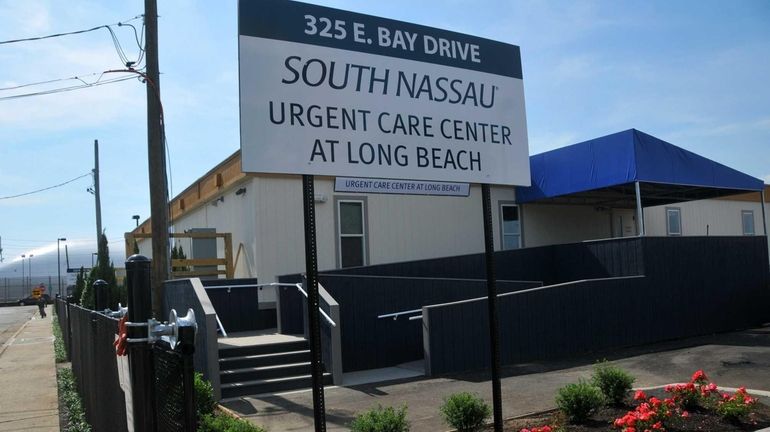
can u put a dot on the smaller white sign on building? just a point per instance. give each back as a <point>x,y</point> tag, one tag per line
<point>400,187</point>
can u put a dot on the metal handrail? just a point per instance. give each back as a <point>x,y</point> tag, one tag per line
<point>395,315</point>
<point>327,317</point>
<point>221,327</point>
<point>248,285</point>
<point>274,284</point>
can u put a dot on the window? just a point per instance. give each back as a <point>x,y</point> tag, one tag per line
<point>511,226</point>
<point>351,231</point>
<point>747,220</point>
<point>673,221</point>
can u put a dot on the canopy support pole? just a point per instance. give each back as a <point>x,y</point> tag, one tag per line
<point>764,218</point>
<point>639,212</point>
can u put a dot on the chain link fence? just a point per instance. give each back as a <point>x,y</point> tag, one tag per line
<point>89,338</point>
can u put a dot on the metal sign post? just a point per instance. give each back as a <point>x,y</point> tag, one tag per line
<point>311,271</point>
<point>494,329</point>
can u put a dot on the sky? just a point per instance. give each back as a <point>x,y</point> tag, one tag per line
<point>693,73</point>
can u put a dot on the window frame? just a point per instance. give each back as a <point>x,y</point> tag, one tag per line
<point>743,223</point>
<point>501,205</point>
<point>678,212</point>
<point>338,201</point>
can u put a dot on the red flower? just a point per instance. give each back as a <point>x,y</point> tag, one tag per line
<point>639,395</point>
<point>699,375</point>
<point>685,414</point>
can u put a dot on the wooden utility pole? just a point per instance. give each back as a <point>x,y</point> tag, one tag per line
<point>156,154</point>
<point>97,197</point>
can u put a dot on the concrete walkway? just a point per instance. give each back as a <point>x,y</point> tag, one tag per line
<point>730,360</point>
<point>28,390</point>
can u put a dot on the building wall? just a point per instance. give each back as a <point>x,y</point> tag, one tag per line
<point>268,221</point>
<point>723,218</point>
<point>547,224</point>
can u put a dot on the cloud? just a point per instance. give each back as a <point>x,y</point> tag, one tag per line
<point>766,178</point>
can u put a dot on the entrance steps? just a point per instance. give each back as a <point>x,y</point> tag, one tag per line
<point>264,365</point>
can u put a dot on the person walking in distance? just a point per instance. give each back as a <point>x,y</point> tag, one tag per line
<point>41,306</point>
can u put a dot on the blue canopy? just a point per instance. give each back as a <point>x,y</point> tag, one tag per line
<point>621,159</point>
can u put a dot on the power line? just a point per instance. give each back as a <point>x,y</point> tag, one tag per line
<point>107,26</point>
<point>45,189</point>
<point>66,89</point>
<point>115,41</point>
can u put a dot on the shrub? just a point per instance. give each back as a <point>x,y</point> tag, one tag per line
<point>732,408</point>
<point>579,401</point>
<point>465,412</point>
<point>225,423</point>
<point>699,391</point>
<point>204,396</point>
<point>381,420</point>
<point>651,414</point>
<point>614,382</point>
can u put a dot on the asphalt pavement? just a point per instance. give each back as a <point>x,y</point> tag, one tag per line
<point>730,360</point>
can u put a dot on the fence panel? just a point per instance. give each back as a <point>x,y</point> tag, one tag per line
<point>237,305</point>
<point>95,367</point>
<point>369,342</point>
<point>172,389</point>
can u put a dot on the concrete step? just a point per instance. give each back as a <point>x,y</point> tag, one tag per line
<point>260,360</point>
<point>264,372</point>
<point>263,349</point>
<point>270,386</point>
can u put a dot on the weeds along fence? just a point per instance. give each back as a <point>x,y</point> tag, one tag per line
<point>89,337</point>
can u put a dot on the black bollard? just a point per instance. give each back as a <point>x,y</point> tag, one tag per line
<point>140,353</point>
<point>101,295</point>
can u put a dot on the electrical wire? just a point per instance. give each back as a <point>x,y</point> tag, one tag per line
<point>115,40</point>
<point>66,33</point>
<point>66,89</point>
<point>45,189</point>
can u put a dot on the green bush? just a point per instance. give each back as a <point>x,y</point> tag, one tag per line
<point>381,420</point>
<point>225,423</point>
<point>465,412</point>
<point>614,382</point>
<point>204,396</point>
<point>579,401</point>
<point>71,401</point>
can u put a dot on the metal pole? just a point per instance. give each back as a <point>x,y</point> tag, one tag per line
<point>311,271</point>
<point>494,331</point>
<point>58,263</point>
<point>97,197</point>
<point>23,275</point>
<point>764,218</point>
<point>30,270</point>
<point>639,211</point>
<point>140,354</point>
<point>101,294</point>
<point>156,154</point>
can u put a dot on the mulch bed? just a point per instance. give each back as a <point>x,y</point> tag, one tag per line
<point>700,420</point>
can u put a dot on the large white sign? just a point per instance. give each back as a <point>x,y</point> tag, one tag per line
<point>400,187</point>
<point>330,92</point>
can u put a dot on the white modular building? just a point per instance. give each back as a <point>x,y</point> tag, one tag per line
<point>592,190</point>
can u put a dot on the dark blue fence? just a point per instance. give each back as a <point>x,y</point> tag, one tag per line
<point>369,342</point>
<point>692,286</point>
<point>237,304</point>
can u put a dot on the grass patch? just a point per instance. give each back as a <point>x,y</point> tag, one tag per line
<point>59,350</point>
<point>73,405</point>
<point>218,422</point>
